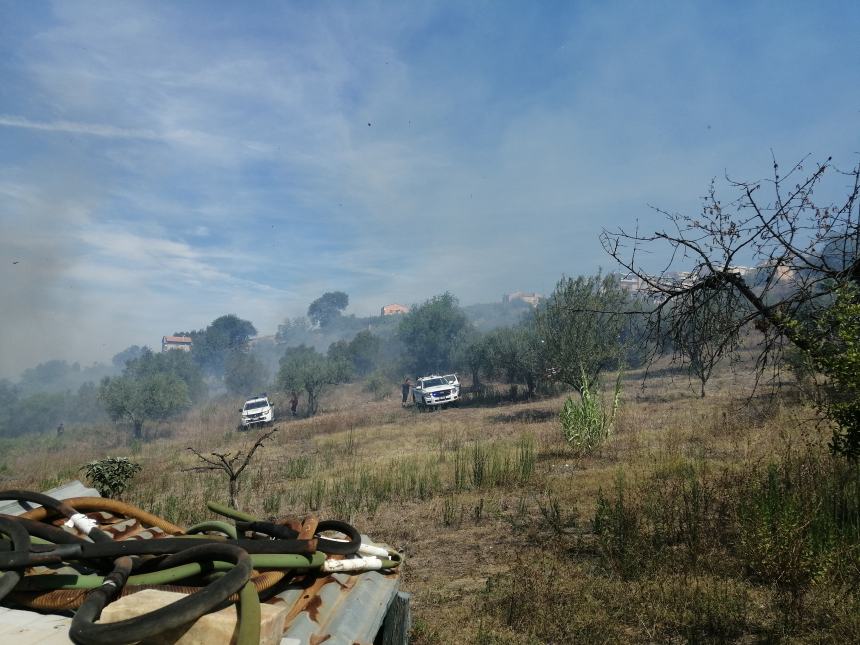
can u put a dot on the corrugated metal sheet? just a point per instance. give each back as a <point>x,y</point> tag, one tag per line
<point>66,491</point>
<point>339,609</point>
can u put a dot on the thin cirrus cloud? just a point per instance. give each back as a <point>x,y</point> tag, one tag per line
<point>80,128</point>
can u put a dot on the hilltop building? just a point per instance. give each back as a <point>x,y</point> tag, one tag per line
<point>782,271</point>
<point>532,299</point>
<point>631,283</point>
<point>182,343</point>
<point>390,310</point>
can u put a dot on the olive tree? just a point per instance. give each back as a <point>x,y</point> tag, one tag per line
<point>518,354</point>
<point>305,369</point>
<point>139,399</point>
<point>472,354</point>
<point>580,326</point>
<point>244,373</point>
<point>430,333</point>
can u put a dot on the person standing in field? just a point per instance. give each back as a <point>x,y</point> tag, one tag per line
<point>294,403</point>
<point>404,389</point>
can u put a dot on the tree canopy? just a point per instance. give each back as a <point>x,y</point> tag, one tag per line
<point>472,353</point>
<point>305,369</point>
<point>581,326</point>
<point>362,353</point>
<point>152,387</point>
<point>327,308</point>
<point>177,363</point>
<point>244,373</point>
<point>212,345</point>
<point>136,399</point>
<point>518,354</point>
<point>128,354</point>
<point>430,333</point>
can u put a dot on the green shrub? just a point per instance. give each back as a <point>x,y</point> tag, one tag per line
<point>110,476</point>
<point>587,423</point>
<point>800,521</point>
<point>378,386</point>
<point>618,526</point>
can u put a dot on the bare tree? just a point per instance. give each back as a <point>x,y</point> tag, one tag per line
<point>230,464</point>
<point>803,249</point>
<point>710,334</point>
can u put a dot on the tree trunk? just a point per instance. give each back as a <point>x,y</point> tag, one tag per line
<point>234,491</point>
<point>530,384</point>
<point>476,384</point>
<point>137,429</point>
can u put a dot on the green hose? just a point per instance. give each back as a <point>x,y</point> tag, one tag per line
<point>168,576</point>
<point>214,525</point>
<point>250,616</point>
<point>226,511</point>
<point>38,540</point>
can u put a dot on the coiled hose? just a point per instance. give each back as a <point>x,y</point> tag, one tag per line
<point>20,544</point>
<point>225,564</point>
<point>91,504</point>
<point>75,518</point>
<point>85,630</point>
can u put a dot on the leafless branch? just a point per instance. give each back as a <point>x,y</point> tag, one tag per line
<point>803,251</point>
<point>226,462</point>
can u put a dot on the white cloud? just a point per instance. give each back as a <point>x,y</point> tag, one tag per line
<point>224,162</point>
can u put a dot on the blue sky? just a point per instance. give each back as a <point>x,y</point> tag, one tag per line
<point>165,163</point>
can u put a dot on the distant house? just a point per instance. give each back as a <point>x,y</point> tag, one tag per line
<point>781,270</point>
<point>390,310</point>
<point>182,343</point>
<point>532,299</point>
<point>632,283</point>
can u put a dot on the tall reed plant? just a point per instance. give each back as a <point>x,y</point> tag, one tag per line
<point>588,422</point>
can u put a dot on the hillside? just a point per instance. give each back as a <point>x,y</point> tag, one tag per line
<point>510,537</point>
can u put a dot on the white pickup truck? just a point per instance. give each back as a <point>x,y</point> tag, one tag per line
<point>257,411</point>
<point>432,391</point>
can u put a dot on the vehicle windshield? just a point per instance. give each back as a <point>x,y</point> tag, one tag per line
<point>253,405</point>
<point>433,382</point>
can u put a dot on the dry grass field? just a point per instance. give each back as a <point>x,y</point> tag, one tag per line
<point>717,519</point>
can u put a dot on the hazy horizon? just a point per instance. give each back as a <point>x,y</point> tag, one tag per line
<point>163,164</point>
